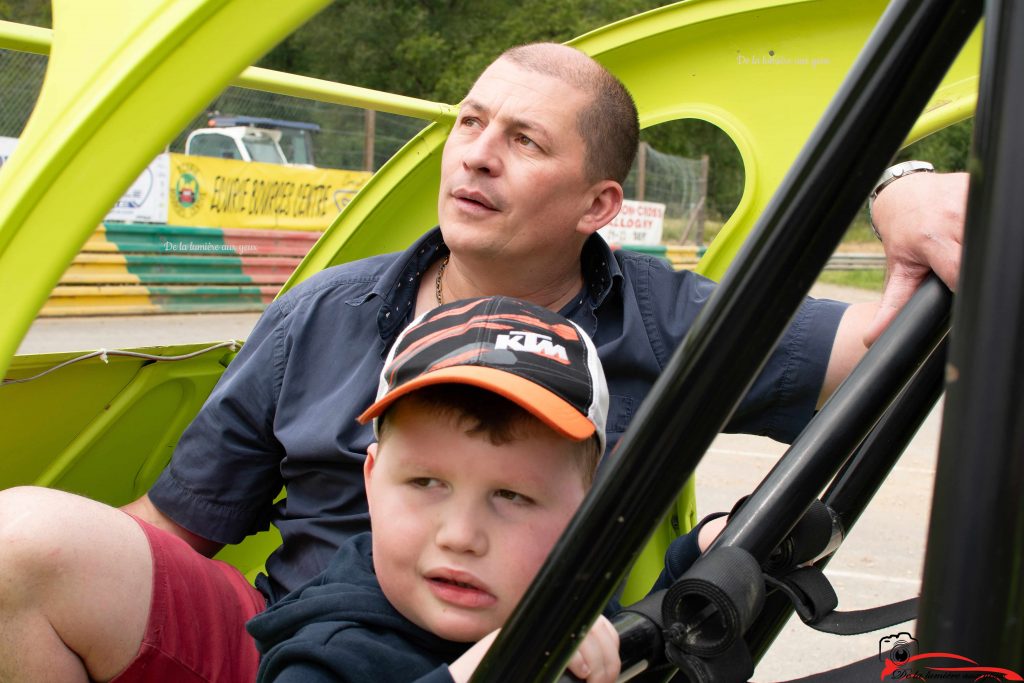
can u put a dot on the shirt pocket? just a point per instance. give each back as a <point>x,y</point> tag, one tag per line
<point>620,412</point>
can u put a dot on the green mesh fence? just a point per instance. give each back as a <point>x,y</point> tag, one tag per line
<point>341,142</point>
<point>677,182</point>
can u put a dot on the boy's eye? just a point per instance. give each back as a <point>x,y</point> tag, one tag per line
<point>424,482</point>
<point>512,496</point>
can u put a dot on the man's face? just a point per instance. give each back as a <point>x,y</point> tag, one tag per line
<point>461,526</point>
<point>512,178</point>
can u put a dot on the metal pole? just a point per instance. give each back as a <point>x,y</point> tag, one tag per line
<point>370,135</point>
<point>641,171</point>
<point>827,443</point>
<point>901,66</point>
<point>973,594</point>
<point>702,192</point>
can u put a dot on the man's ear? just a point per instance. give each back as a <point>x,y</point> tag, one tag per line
<point>606,200</point>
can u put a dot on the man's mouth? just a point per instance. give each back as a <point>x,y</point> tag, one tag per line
<point>474,199</point>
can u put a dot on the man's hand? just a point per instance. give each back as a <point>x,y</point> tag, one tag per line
<point>596,660</point>
<point>921,220</point>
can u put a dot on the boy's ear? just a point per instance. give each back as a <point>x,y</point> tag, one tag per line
<point>371,458</point>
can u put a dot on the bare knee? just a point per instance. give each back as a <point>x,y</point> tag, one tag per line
<point>42,532</point>
<point>79,567</point>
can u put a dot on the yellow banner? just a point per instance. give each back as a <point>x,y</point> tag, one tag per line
<point>224,193</point>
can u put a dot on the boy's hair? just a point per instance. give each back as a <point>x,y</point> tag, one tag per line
<point>488,415</point>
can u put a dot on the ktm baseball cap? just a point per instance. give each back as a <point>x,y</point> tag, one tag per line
<point>525,353</point>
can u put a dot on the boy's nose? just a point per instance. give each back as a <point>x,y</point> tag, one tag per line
<point>460,530</point>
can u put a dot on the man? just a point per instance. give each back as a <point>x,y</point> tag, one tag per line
<point>531,171</point>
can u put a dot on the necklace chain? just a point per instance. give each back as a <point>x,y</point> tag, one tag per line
<point>437,280</point>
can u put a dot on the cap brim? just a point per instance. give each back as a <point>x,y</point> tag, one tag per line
<point>542,403</point>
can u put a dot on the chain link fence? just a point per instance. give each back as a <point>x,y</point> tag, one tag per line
<point>677,182</point>
<point>341,143</point>
<point>21,77</point>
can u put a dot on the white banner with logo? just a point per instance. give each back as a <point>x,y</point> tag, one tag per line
<point>146,199</point>
<point>6,147</point>
<point>144,202</point>
<point>636,223</point>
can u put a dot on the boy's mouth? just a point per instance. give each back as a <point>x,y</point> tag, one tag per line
<point>459,589</point>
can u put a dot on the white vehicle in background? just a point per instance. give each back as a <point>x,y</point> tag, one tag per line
<point>253,138</point>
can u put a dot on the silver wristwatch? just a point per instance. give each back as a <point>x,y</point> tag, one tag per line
<point>890,175</point>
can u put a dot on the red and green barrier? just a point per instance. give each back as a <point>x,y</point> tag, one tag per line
<point>138,268</point>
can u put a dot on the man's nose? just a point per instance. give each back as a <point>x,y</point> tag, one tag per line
<point>484,152</point>
<point>461,529</point>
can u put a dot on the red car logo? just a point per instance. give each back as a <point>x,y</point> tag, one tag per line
<point>912,669</point>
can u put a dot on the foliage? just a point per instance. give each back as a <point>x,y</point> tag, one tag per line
<point>34,12</point>
<point>947,150</point>
<point>871,279</point>
<point>434,49</point>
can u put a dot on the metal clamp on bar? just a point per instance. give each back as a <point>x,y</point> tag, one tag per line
<point>818,534</point>
<point>714,603</point>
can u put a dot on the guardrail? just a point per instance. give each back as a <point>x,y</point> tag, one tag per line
<point>139,268</point>
<point>687,256</point>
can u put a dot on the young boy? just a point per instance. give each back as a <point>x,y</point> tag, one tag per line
<point>490,420</point>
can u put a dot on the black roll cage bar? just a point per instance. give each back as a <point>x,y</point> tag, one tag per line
<point>972,597</point>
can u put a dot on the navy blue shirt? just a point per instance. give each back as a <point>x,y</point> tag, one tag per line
<point>284,411</point>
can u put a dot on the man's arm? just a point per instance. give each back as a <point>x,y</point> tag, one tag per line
<point>921,220</point>
<point>144,509</point>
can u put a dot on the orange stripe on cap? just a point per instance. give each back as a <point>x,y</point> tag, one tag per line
<point>545,405</point>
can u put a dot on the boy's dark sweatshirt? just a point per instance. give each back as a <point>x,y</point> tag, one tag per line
<point>340,627</point>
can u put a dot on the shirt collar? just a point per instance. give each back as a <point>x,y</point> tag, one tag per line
<point>399,284</point>
<point>600,270</point>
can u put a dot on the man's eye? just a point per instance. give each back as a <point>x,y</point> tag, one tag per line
<point>525,141</point>
<point>470,121</point>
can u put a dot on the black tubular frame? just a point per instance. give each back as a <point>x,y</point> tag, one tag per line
<point>862,475</point>
<point>897,72</point>
<point>973,594</point>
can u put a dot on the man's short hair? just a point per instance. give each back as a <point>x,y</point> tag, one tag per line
<point>609,125</point>
<point>487,415</point>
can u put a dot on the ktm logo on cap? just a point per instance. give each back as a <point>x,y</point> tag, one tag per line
<point>531,342</point>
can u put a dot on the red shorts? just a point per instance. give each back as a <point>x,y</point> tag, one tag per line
<point>196,629</point>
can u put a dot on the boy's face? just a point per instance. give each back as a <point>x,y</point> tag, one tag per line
<point>461,526</point>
